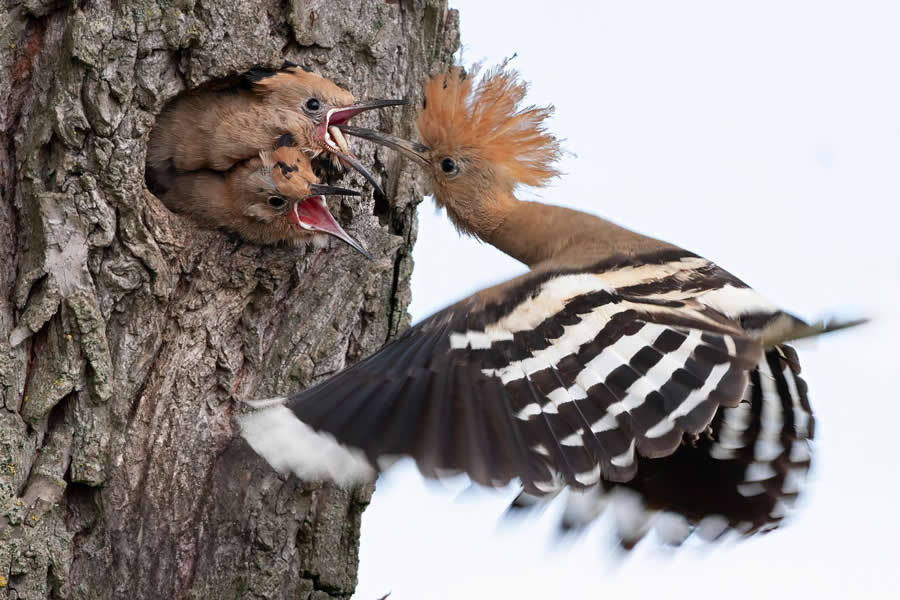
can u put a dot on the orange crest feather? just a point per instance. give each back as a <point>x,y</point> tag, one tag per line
<point>486,119</point>
<point>293,172</point>
<point>290,171</point>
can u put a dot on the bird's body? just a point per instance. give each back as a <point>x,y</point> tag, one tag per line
<point>216,128</point>
<point>272,198</point>
<point>618,362</point>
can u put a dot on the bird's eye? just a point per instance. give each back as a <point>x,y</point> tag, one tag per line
<point>449,166</point>
<point>313,104</point>
<point>277,202</point>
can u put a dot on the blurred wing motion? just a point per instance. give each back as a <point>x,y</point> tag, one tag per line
<point>642,372</point>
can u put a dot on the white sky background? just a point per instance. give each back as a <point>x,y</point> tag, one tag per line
<point>765,137</point>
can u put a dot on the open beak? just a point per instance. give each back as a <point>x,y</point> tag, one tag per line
<point>412,150</point>
<point>312,214</point>
<point>337,144</point>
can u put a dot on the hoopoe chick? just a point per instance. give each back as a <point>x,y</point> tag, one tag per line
<point>619,364</point>
<point>214,129</point>
<point>269,199</point>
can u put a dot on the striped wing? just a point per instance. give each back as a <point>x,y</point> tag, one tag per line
<point>745,475</point>
<point>555,378</point>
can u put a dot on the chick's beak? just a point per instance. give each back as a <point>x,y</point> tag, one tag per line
<point>312,214</point>
<point>354,162</point>
<point>336,143</point>
<point>317,189</point>
<point>412,150</point>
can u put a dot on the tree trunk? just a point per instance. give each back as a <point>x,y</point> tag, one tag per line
<point>129,337</point>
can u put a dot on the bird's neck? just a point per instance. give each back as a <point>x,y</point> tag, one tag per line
<point>533,233</point>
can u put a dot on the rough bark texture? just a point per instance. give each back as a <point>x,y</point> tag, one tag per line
<point>128,337</point>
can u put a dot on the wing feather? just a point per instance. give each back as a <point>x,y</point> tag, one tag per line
<point>637,372</point>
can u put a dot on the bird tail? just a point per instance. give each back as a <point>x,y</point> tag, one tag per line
<point>289,445</point>
<point>744,473</point>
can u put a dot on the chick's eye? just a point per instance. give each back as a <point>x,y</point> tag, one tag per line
<point>448,166</point>
<point>313,104</point>
<point>277,202</point>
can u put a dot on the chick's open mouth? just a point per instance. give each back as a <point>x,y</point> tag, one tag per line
<point>333,139</point>
<point>333,136</point>
<point>312,215</point>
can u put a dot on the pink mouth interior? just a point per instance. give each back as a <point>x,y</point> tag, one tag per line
<point>340,117</point>
<point>313,213</point>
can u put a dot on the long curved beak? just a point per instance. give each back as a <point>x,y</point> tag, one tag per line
<point>339,116</point>
<point>312,214</point>
<point>337,145</point>
<point>317,189</point>
<point>351,160</point>
<point>417,152</point>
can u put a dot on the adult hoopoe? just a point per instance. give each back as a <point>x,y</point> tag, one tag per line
<point>618,363</point>
<point>216,128</point>
<point>272,198</point>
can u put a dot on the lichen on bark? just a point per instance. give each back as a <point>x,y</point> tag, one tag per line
<point>128,337</point>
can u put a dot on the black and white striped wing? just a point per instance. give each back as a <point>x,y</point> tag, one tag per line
<point>745,475</point>
<point>555,378</point>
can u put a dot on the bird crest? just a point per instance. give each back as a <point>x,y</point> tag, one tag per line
<point>289,171</point>
<point>486,119</point>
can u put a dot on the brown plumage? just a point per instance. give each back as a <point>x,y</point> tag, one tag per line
<point>274,197</point>
<point>216,128</point>
<point>618,362</point>
<point>484,123</point>
<point>481,129</point>
<point>479,145</point>
<point>293,87</point>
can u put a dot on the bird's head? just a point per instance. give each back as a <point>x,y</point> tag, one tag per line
<point>478,142</point>
<point>325,104</point>
<point>276,198</point>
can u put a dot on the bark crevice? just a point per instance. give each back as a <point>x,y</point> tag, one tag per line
<point>129,337</point>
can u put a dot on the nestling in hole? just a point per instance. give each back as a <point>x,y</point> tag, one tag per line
<point>208,155</point>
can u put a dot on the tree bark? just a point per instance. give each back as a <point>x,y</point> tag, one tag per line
<point>129,337</point>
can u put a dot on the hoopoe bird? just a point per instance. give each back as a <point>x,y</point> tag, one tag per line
<point>619,365</point>
<point>272,198</point>
<point>216,128</point>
